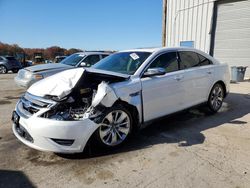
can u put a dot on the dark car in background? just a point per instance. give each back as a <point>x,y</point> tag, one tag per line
<point>8,63</point>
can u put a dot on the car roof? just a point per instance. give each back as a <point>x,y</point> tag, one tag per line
<point>93,52</point>
<point>159,49</point>
<point>141,50</point>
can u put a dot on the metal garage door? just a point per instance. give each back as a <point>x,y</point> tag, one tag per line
<point>232,35</point>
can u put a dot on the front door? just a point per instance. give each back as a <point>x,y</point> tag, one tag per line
<point>163,94</point>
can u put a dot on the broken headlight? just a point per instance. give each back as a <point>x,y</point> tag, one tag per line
<point>69,114</point>
<point>68,111</point>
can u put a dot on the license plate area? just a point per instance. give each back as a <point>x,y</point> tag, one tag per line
<point>21,131</point>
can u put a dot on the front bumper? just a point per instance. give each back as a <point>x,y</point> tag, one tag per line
<point>44,131</point>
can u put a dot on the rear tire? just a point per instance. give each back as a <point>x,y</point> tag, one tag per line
<point>216,98</point>
<point>3,69</point>
<point>115,127</point>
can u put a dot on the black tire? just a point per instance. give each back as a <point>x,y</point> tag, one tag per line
<point>15,70</point>
<point>97,135</point>
<point>3,69</point>
<point>216,98</point>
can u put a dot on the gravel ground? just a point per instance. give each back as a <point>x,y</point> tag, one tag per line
<point>190,149</point>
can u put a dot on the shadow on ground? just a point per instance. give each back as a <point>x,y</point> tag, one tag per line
<point>184,128</point>
<point>15,179</point>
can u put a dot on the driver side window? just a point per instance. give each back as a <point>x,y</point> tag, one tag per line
<point>91,60</point>
<point>168,61</point>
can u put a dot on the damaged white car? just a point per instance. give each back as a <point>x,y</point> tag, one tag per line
<point>120,93</point>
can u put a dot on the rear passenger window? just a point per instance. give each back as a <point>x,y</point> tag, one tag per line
<point>192,59</point>
<point>168,61</point>
<point>188,60</point>
<point>204,61</point>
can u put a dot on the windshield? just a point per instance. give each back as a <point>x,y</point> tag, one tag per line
<point>73,59</point>
<point>123,62</point>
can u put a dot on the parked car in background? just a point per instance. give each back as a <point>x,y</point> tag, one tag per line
<point>48,61</point>
<point>27,63</point>
<point>58,59</point>
<point>117,95</point>
<point>38,60</point>
<point>8,63</point>
<point>32,74</point>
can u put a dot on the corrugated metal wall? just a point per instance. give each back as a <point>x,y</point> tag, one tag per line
<point>190,20</point>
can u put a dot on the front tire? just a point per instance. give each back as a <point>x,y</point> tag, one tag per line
<point>115,127</point>
<point>216,98</point>
<point>3,69</point>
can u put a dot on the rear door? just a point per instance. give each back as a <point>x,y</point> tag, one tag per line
<point>163,94</point>
<point>197,77</point>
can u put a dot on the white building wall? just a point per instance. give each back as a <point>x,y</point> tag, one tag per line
<point>189,20</point>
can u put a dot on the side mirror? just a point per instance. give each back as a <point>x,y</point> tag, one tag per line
<point>154,72</point>
<point>83,64</point>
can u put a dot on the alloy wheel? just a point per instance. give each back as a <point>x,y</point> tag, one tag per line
<point>115,128</point>
<point>216,98</point>
<point>3,69</point>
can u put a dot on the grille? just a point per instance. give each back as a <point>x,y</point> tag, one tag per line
<point>31,104</point>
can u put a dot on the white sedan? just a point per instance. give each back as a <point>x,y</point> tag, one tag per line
<point>119,94</point>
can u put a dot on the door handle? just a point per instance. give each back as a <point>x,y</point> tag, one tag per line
<point>209,72</point>
<point>178,78</point>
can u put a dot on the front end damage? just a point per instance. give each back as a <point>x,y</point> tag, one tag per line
<point>91,104</point>
<point>86,98</point>
<point>61,112</point>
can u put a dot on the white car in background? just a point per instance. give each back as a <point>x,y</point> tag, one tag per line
<point>120,93</point>
<point>29,75</point>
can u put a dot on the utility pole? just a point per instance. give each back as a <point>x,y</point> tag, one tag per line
<point>164,20</point>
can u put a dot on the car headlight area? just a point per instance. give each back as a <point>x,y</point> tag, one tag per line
<point>24,74</point>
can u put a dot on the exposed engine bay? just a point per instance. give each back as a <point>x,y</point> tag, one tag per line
<point>89,97</point>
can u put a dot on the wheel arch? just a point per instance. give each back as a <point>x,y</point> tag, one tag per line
<point>133,110</point>
<point>2,64</point>
<point>134,114</point>
<point>223,86</point>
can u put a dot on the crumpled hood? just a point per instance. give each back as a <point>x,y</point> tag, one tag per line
<point>44,67</point>
<point>59,84</point>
